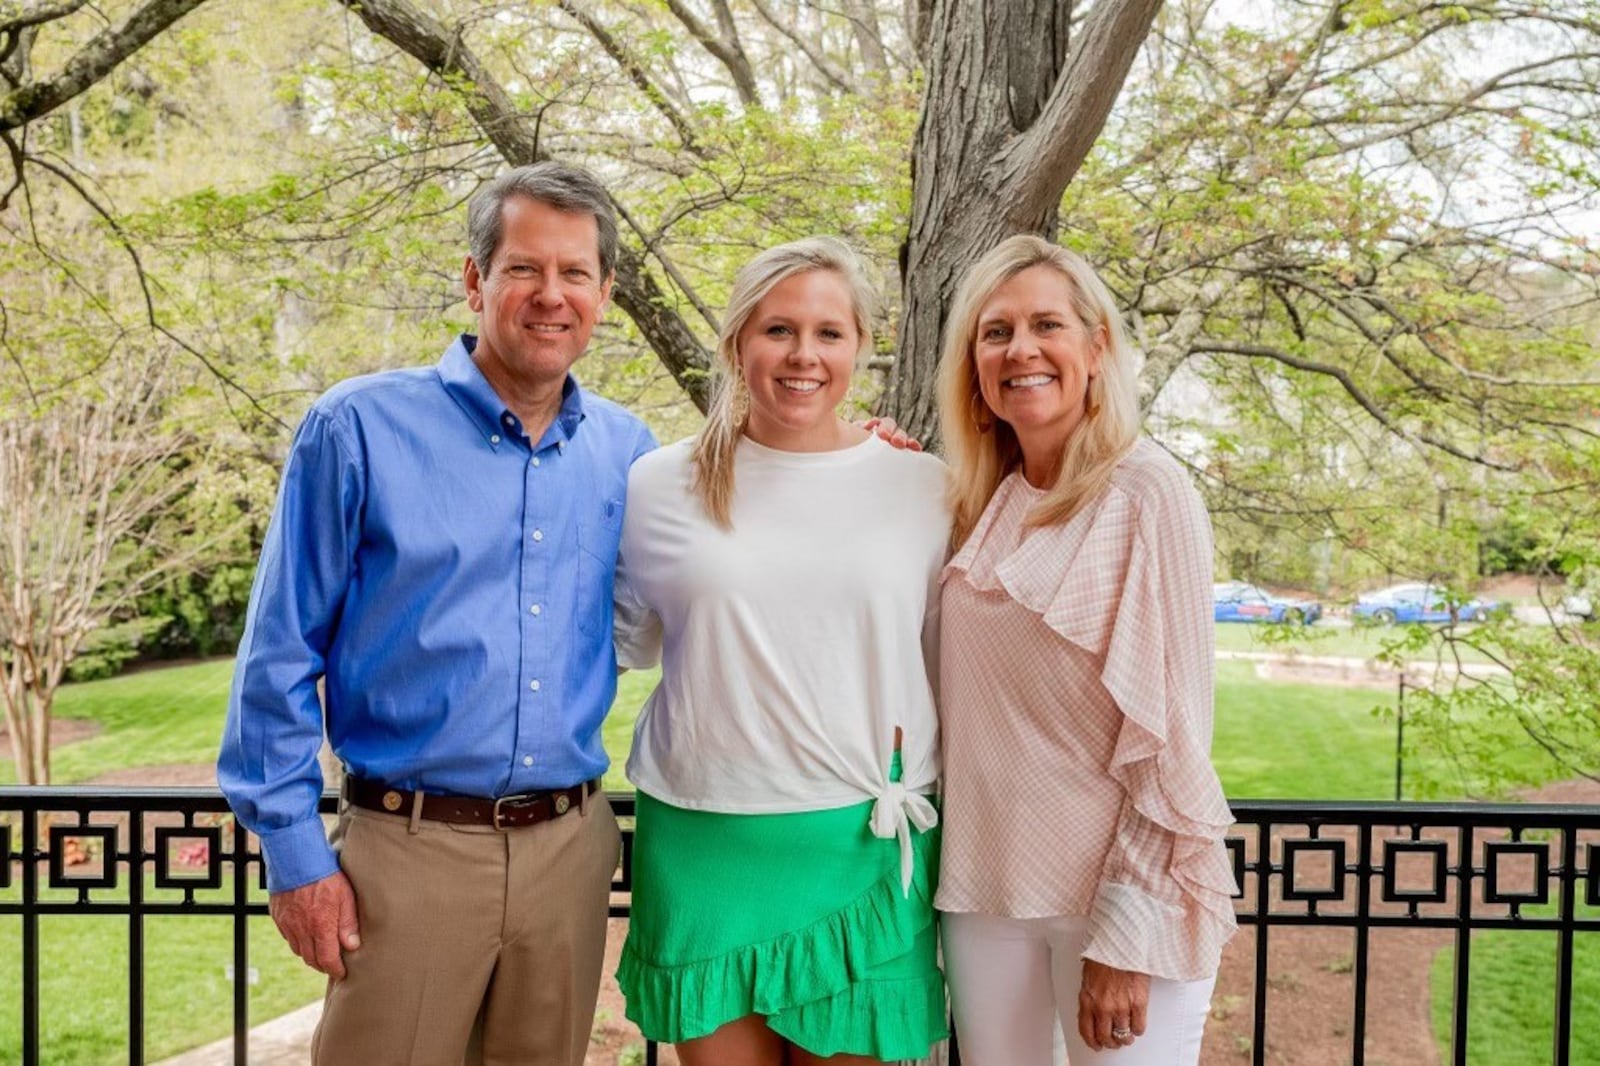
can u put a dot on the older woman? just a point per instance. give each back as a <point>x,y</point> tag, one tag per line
<point>1084,876</point>
<point>788,562</point>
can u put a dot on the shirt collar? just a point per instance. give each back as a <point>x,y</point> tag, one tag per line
<point>472,392</point>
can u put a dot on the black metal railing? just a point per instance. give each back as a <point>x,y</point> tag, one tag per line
<point>1459,868</point>
<point>1368,867</point>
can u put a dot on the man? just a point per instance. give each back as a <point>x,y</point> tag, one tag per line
<point>441,559</point>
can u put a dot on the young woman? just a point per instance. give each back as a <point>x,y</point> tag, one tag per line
<point>784,565</point>
<point>1084,874</point>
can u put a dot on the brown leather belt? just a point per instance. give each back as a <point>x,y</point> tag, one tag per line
<point>507,812</point>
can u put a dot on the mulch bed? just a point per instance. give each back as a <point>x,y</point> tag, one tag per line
<point>1311,981</point>
<point>63,731</point>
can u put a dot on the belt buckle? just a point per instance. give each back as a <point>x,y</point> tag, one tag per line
<point>514,802</point>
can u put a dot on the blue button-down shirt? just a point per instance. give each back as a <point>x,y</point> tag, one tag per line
<point>449,581</point>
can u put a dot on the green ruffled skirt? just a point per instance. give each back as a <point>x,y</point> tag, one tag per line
<point>796,917</point>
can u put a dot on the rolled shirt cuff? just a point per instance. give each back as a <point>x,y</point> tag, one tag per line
<point>297,855</point>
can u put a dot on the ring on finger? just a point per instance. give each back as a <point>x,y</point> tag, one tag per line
<point>1121,1032</point>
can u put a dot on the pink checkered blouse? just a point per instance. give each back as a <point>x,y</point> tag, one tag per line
<point>1076,691</point>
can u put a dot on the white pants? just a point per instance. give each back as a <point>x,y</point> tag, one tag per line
<point>1012,978</point>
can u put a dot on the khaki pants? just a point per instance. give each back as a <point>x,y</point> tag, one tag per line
<point>471,933</point>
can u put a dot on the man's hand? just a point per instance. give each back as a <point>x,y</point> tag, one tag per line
<point>317,920</point>
<point>889,431</point>
<point>1111,1005</point>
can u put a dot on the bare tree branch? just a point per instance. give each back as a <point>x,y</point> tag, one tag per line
<point>1457,106</point>
<point>444,53</point>
<point>826,67</point>
<point>64,175</point>
<point>725,47</point>
<point>77,483</point>
<point>93,62</point>
<point>863,16</point>
<point>652,245</point>
<point>20,18</point>
<point>1041,163</point>
<point>653,91</point>
<point>1354,391</point>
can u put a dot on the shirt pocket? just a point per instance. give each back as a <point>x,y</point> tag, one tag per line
<point>598,537</point>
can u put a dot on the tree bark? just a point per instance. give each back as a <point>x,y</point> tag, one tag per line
<point>103,54</point>
<point>724,47</point>
<point>1009,115</point>
<point>442,51</point>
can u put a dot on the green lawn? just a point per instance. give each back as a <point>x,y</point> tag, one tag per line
<point>83,982</point>
<point>174,715</point>
<point>1511,1012</point>
<point>147,718</point>
<point>633,688</point>
<point>1273,740</point>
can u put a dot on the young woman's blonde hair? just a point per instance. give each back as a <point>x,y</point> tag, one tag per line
<point>981,449</point>
<point>713,450</point>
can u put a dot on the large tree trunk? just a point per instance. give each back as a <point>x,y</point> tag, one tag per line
<point>1009,115</point>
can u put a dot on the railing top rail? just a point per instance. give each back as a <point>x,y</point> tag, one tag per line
<point>1287,810</point>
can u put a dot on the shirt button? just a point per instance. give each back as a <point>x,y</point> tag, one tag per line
<point>538,534</point>
<point>535,609</point>
<point>527,760</point>
<point>506,419</point>
<point>561,445</point>
<point>494,438</point>
<point>534,684</point>
<point>534,461</point>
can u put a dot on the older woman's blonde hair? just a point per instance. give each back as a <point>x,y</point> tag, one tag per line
<point>713,451</point>
<point>980,449</point>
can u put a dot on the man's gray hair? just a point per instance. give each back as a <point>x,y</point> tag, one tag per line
<point>562,186</point>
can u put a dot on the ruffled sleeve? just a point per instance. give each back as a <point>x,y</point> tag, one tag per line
<point>1129,581</point>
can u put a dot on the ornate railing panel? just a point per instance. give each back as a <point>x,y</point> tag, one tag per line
<point>1362,866</point>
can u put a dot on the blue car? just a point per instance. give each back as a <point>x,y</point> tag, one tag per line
<point>1417,602</point>
<point>1236,601</point>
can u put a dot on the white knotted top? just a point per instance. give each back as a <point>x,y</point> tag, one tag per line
<point>793,645</point>
<point>893,815</point>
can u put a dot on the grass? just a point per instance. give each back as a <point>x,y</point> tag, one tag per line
<point>1273,740</point>
<point>633,688</point>
<point>1511,998</point>
<point>1352,642</point>
<point>146,718</point>
<point>174,715</point>
<point>83,982</point>
<point>1280,740</point>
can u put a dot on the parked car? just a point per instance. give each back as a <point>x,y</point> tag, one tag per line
<point>1418,602</point>
<point>1236,601</point>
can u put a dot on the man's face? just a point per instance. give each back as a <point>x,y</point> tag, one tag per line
<point>539,299</point>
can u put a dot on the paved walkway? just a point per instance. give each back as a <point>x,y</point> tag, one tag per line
<point>284,1041</point>
<point>1352,668</point>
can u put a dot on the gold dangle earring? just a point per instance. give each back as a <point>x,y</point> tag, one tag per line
<point>740,407</point>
